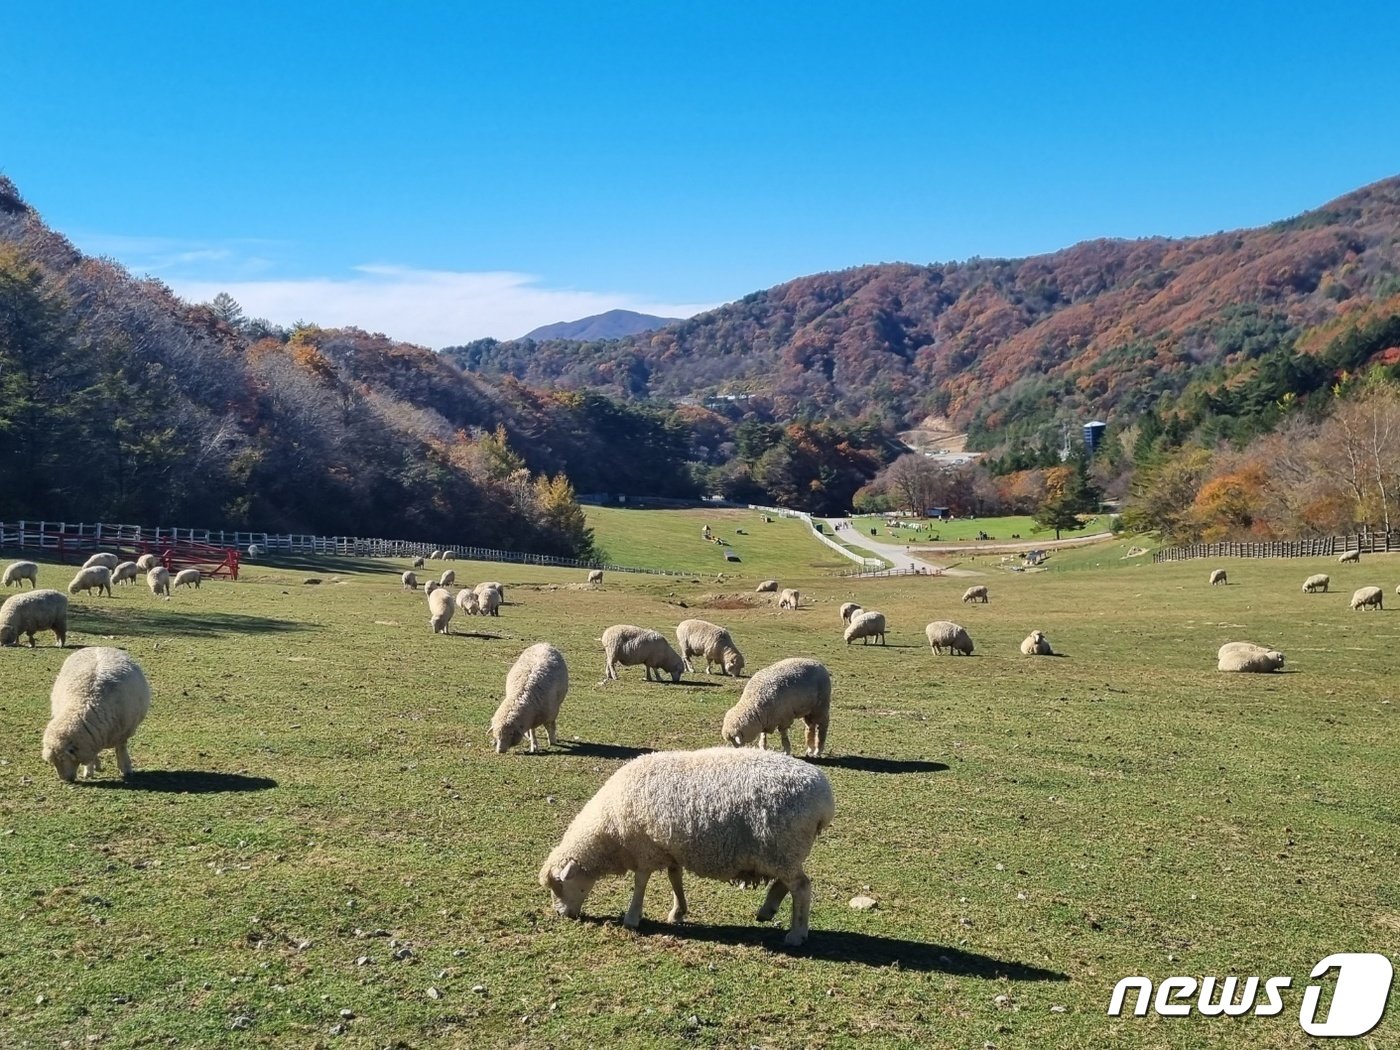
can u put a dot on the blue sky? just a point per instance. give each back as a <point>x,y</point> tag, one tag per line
<point>446,171</point>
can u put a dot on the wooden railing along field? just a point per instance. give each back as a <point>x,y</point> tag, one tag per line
<point>1317,547</point>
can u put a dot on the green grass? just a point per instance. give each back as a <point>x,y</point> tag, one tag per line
<point>315,769</point>
<point>1000,529</point>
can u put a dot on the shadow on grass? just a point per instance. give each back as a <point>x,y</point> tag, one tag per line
<point>590,750</point>
<point>867,764</point>
<point>185,782</point>
<point>178,619</point>
<point>891,645</point>
<point>477,634</point>
<point>321,563</point>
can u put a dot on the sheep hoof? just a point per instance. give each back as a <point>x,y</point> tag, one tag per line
<point>795,938</point>
<point>631,922</point>
<point>764,914</point>
<point>676,917</point>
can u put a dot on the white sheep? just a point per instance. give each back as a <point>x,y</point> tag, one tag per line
<point>945,634</point>
<point>777,696</point>
<point>975,594</point>
<point>866,625</point>
<point>94,577</point>
<point>789,599</point>
<point>187,578</point>
<point>449,555</point>
<point>629,645</point>
<point>430,586</point>
<point>496,585</point>
<point>126,572</point>
<point>1218,576</point>
<point>31,612</point>
<point>1248,657</point>
<point>158,580</point>
<point>435,556</point>
<point>147,562</point>
<point>448,578</point>
<point>256,550</point>
<point>410,580</point>
<point>767,587</point>
<point>1036,644</point>
<point>440,610</point>
<point>535,687</point>
<point>745,817</point>
<point>488,601</point>
<point>17,572</point>
<point>713,642</point>
<point>418,562</point>
<point>595,576</point>
<point>466,601</point>
<point>98,700</point>
<point>1350,556</point>
<point>1319,582</point>
<point>1367,597</point>
<point>107,561</point>
<point>848,610</point>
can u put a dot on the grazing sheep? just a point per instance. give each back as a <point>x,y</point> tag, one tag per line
<point>449,555</point>
<point>945,634</point>
<point>745,817</point>
<point>848,610</point>
<point>713,642</point>
<point>107,561</point>
<point>98,700</point>
<point>535,687</point>
<point>94,577</point>
<point>1350,556</point>
<point>1248,657</point>
<point>418,562</point>
<point>430,586</point>
<point>31,612</point>
<point>126,572</point>
<point>448,578</point>
<point>1319,582</point>
<point>158,580</point>
<point>488,601</point>
<point>976,594</point>
<point>440,610</point>
<point>255,550</point>
<point>17,572</point>
<point>147,562</point>
<point>435,556</point>
<point>629,645</point>
<point>595,576</point>
<point>767,587</point>
<point>410,580</point>
<point>1036,644</point>
<point>777,696</point>
<point>1367,596</point>
<point>865,626</point>
<point>1218,576</point>
<point>466,601</point>
<point>789,599</point>
<point>500,588</point>
<point>187,578</point>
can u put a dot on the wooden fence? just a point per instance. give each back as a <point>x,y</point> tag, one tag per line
<point>1319,547</point>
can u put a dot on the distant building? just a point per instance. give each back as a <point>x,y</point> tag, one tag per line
<point>1093,435</point>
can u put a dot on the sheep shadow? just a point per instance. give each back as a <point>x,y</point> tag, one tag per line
<point>869,764</point>
<point>185,782</point>
<point>477,634</point>
<point>180,620</point>
<point>890,645</point>
<point>587,749</point>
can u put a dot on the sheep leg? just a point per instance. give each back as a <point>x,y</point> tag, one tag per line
<point>787,744</point>
<point>773,900</point>
<point>678,906</point>
<point>801,911</point>
<point>633,918</point>
<point>549,732</point>
<point>530,736</point>
<point>763,741</point>
<point>124,760</point>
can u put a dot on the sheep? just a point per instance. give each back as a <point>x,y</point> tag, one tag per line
<point>499,587</point>
<point>713,642</point>
<point>430,586</point>
<point>1218,576</point>
<point>98,700</point>
<point>440,609</point>
<point>848,610</point>
<point>745,817</point>
<point>94,577</point>
<point>410,580</point>
<point>595,576</point>
<point>1319,582</point>
<point>945,634</point>
<point>789,599</point>
<point>418,562</point>
<point>31,612</point>
<point>1367,596</point>
<point>1036,644</point>
<point>466,601</point>
<point>488,601</point>
<point>777,696</point>
<point>449,555</point>
<point>435,556</point>
<point>1350,556</point>
<point>976,594</point>
<point>1248,657</point>
<point>448,578</point>
<point>147,562</point>
<point>535,687</point>
<point>107,561</point>
<point>629,645</point>
<point>187,578</point>
<point>126,572</point>
<point>256,550</point>
<point>866,625</point>
<point>17,572</point>
<point>767,587</point>
<point>158,580</point>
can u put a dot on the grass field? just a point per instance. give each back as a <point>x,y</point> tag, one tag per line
<point>1001,530</point>
<point>317,823</point>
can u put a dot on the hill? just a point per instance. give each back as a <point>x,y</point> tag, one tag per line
<point>614,324</point>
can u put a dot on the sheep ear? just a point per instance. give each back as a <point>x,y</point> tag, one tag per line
<point>568,871</point>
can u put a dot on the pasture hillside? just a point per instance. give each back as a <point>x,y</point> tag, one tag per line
<point>319,847</point>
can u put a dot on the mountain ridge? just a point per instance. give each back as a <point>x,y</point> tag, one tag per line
<point>611,324</point>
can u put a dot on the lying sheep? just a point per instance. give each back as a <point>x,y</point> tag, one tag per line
<point>107,561</point>
<point>418,562</point>
<point>126,572</point>
<point>865,626</point>
<point>713,642</point>
<point>1350,556</point>
<point>848,610</point>
<point>1366,597</point>
<point>789,599</point>
<point>158,580</point>
<point>410,580</point>
<point>976,594</point>
<point>147,562</point>
<point>31,612</point>
<point>488,601</point>
<point>777,696</point>
<point>466,601</point>
<point>740,816</point>
<point>1248,657</point>
<point>767,587</point>
<point>1319,582</point>
<point>94,577</point>
<point>98,700</point>
<point>1218,576</point>
<point>629,645</point>
<point>595,576</point>
<point>440,610</point>
<point>1036,644</point>
<point>17,572</point>
<point>448,578</point>
<point>945,634</point>
<point>535,687</point>
<point>187,578</point>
